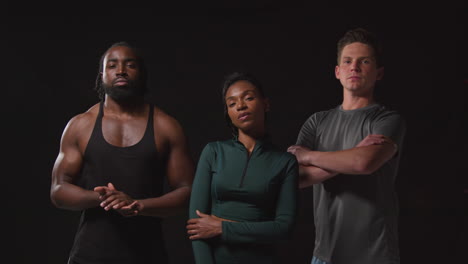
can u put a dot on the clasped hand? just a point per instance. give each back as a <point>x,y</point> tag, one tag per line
<point>116,200</point>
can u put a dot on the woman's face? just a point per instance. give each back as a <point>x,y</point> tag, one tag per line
<point>246,107</point>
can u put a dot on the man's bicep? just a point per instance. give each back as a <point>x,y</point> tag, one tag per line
<point>306,135</point>
<point>180,167</point>
<point>377,155</point>
<point>69,160</point>
<point>392,126</point>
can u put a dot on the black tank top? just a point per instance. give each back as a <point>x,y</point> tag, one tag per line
<point>137,170</point>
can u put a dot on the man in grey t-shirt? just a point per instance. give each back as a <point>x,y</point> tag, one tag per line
<point>350,155</point>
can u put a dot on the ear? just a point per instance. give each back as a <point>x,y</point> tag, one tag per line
<point>337,72</point>
<point>266,101</point>
<point>380,73</point>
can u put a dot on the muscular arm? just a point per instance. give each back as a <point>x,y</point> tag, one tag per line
<point>309,175</point>
<point>369,155</point>
<point>365,158</point>
<point>63,193</point>
<point>359,160</point>
<point>180,170</point>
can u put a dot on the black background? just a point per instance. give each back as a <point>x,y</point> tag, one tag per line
<point>52,53</point>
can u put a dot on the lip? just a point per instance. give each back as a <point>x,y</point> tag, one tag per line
<point>243,116</point>
<point>354,77</point>
<point>121,81</point>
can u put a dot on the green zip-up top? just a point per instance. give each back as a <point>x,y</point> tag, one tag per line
<point>259,192</point>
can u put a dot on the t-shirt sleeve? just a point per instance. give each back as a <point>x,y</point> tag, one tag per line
<point>391,125</point>
<point>307,133</point>
<point>280,228</point>
<point>200,199</point>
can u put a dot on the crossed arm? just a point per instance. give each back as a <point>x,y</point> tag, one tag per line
<point>365,158</point>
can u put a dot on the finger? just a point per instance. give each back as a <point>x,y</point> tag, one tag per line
<point>192,221</point>
<point>193,237</point>
<point>200,214</point>
<point>378,136</point>
<point>100,189</point>
<point>192,231</point>
<point>111,186</point>
<point>120,205</point>
<point>132,206</point>
<point>114,203</point>
<point>108,201</point>
<point>105,196</point>
<point>191,226</point>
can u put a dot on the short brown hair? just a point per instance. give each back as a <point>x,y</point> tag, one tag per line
<point>363,36</point>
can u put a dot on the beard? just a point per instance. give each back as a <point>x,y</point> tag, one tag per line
<point>125,93</point>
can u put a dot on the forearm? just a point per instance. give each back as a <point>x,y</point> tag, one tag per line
<point>257,232</point>
<point>71,197</point>
<point>202,251</point>
<point>309,175</point>
<point>169,204</point>
<point>358,160</point>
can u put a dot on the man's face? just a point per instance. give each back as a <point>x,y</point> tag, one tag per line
<point>357,69</point>
<point>121,74</point>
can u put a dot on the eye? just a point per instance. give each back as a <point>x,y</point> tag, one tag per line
<point>231,104</point>
<point>249,98</point>
<point>132,65</point>
<point>366,61</point>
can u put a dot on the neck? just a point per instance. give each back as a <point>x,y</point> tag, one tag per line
<point>351,102</point>
<point>134,106</point>
<point>249,139</point>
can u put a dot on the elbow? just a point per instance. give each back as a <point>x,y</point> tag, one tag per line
<point>55,201</point>
<point>55,197</point>
<point>365,167</point>
<point>285,231</point>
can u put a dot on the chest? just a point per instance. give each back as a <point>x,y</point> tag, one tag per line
<point>123,132</point>
<point>342,131</point>
<point>255,179</point>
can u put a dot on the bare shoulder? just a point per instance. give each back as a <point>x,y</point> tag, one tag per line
<point>80,126</point>
<point>166,125</point>
<point>82,120</point>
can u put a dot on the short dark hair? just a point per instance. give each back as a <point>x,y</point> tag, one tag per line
<point>363,36</point>
<point>141,64</point>
<point>229,80</point>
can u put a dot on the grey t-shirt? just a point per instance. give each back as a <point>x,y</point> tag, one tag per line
<point>355,215</point>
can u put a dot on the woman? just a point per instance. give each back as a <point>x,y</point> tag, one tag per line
<point>245,189</point>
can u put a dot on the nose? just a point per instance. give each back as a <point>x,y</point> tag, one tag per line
<point>121,70</point>
<point>241,105</point>
<point>355,66</point>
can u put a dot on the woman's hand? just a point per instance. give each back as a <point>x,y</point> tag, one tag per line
<point>207,226</point>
